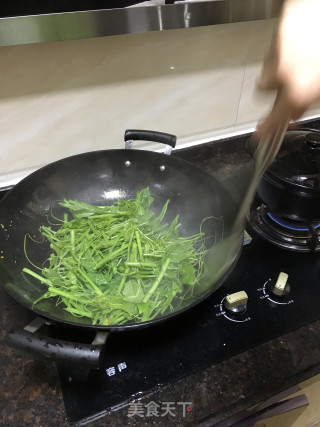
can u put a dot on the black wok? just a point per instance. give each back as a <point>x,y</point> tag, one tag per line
<point>102,177</point>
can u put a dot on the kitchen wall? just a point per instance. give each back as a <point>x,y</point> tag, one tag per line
<point>59,99</point>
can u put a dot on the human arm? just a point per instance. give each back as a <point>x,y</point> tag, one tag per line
<point>292,65</point>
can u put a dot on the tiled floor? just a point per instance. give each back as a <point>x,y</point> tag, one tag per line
<point>302,417</point>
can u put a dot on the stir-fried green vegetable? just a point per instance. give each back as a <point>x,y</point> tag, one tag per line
<point>118,263</point>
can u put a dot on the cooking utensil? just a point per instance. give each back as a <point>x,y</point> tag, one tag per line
<point>290,188</point>
<point>103,177</point>
<point>224,252</point>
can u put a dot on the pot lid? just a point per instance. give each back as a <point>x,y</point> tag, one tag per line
<point>298,161</point>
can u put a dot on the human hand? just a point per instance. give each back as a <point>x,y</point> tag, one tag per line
<point>292,65</point>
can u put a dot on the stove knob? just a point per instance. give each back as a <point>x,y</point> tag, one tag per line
<point>236,303</point>
<point>281,288</point>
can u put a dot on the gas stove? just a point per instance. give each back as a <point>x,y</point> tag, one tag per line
<point>284,232</point>
<point>273,289</point>
<point>270,292</point>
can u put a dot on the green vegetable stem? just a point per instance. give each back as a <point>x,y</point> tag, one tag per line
<point>120,263</point>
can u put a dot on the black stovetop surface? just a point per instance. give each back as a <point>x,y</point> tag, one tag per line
<point>139,362</point>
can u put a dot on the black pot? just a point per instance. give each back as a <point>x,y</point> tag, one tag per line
<point>291,186</point>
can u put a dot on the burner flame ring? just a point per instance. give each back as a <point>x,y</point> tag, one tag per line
<point>291,225</point>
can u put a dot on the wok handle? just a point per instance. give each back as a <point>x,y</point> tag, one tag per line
<point>149,135</point>
<point>86,355</point>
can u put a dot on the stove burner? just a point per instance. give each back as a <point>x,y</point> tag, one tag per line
<point>284,232</point>
<point>290,224</point>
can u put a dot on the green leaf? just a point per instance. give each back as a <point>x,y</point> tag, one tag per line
<point>81,209</point>
<point>143,200</point>
<point>132,291</point>
<point>188,274</point>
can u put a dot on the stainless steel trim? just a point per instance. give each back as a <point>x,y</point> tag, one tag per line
<point>128,144</point>
<point>100,338</point>
<point>100,23</point>
<point>35,324</point>
<point>168,151</point>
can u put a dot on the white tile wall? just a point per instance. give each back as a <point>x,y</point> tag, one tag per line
<point>59,99</point>
<point>255,104</point>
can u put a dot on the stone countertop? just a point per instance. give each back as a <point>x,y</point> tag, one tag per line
<point>30,392</point>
